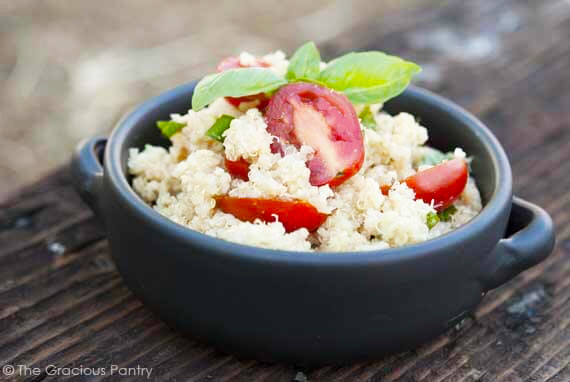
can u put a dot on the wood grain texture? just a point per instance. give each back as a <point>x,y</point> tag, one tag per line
<point>62,301</point>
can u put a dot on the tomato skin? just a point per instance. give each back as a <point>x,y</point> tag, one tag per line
<point>234,62</point>
<point>309,114</point>
<point>442,183</point>
<point>238,169</point>
<point>262,100</point>
<point>293,214</point>
<point>386,188</point>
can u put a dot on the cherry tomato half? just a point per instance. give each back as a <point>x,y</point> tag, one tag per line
<point>238,169</point>
<point>293,214</point>
<point>308,114</point>
<point>442,183</point>
<point>234,63</point>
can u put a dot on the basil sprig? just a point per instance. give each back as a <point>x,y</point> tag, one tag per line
<point>364,77</point>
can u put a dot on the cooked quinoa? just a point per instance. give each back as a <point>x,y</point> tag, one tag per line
<point>182,181</point>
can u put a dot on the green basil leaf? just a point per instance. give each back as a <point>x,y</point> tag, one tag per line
<point>369,77</point>
<point>445,215</point>
<point>234,83</point>
<point>367,118</point>
<point>434,157</point>
<point>217,130</point>
<point>305,64</point>
<point>378,93</point>
<point>169,128</point>
<point>432,219</point>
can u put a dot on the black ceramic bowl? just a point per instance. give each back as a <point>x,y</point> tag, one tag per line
<point>313,308</point>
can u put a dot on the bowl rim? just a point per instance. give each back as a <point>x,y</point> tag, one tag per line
<point>500,197</point>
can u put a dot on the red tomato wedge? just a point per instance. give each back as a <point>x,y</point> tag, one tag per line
<point>442,183</point>
<point>308,114</point>
<point>293,214</point>
<point>238,169</point>
<point>234,63</point>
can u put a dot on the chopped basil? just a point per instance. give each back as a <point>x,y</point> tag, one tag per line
<point>169,128</point>
<point>434,157</point>
<point>217,130</point>
<point>445,215</point>
<point>367,118</point>
<point>432,219</point>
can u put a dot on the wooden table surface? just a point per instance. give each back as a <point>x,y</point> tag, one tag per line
<point>63,303</point>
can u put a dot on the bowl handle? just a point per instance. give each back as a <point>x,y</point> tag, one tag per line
<point>87,171</point>
<point>529,240</point>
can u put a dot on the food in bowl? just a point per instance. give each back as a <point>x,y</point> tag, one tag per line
<point>299,155</point>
